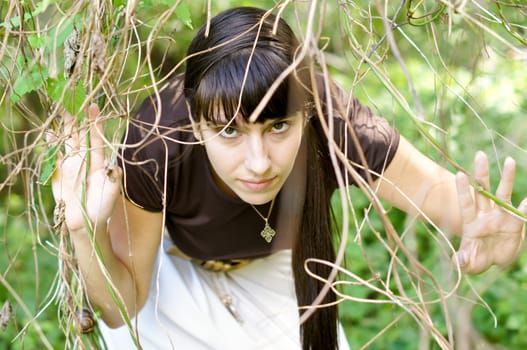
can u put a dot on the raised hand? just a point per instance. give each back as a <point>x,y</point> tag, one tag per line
<point>100,184</point>
<point>491,234</point>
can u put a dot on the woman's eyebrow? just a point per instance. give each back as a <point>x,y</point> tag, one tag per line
<point>220,123</point>
<point>223,122</point>
<point>278,120</point>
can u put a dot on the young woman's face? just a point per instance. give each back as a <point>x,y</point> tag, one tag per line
<point>253,160</point>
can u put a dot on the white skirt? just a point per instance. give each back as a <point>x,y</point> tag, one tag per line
<point>185,309</point>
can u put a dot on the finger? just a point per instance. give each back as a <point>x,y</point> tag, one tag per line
<point>51,138</point>
<point>115,174</point>
<point>83,131</point>
<point>460,259</point>
<point>96,138</point>
<point>504,190</point>
<point>469,262</point>
<point>471,257</point>
<point>70,132</point>
<point>481,175</point>
<point>467,206</point>
<point>523,206</point>
<point>82,135</point>
<point>523,209</point>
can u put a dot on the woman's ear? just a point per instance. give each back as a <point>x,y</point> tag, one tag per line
<point>196,130</point>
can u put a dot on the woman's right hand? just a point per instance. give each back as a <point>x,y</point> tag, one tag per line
<point>100,184</point>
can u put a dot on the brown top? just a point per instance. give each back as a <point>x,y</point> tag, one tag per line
<point>163,171</point>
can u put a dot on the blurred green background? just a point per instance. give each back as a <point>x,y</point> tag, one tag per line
<point>456,82</point>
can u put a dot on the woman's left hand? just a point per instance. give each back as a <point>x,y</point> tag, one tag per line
<point>491,234</point>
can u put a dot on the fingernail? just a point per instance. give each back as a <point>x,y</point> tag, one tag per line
<point>480,154</point>
<point>510,160</point>
<point>461,259</point>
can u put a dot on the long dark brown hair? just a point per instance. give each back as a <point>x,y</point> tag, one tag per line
<point>217,72</point>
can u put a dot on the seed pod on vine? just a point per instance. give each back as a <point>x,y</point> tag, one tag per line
<point>5,315</point>
<point>85,321</point>
<point>98,52</point>
<point>59,217</point>
<point>72,47</point>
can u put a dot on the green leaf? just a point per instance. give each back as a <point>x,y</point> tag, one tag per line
<point>15,21</point>
<point>28,82</point>
<point>55,88</point>
<point>119,3</point>
<point>183,14</point>
<point>167,2</point>
<point>182,11</point>
<point>36,41</point>
<point>73,97</point>
<point>144,4</point>
<point>48,166</point>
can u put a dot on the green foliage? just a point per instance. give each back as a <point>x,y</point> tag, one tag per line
<point>29,275</point>
<point>509,293</point>
<point>472,97</point>
<point>49,164</point>
<point>457,87</point>
<point>182,11</point>
<point>40,7</point>
<point>71,98</point>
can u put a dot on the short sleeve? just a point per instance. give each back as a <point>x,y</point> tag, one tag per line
<point>368,141</point>
<point>150,149</point>
<point>143,169</point>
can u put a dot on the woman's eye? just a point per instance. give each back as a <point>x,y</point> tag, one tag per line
<point>280,126</point>
<point>228,132</point>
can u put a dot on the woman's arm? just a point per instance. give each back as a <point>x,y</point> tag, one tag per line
<point>419,186</point>
<point>135,236</point>
<point>128,237</point>
<point>416,184</point>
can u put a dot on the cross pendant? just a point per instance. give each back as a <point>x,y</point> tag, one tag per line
<point>268,233</point>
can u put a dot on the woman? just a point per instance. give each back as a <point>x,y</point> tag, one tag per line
<point>237,202</point>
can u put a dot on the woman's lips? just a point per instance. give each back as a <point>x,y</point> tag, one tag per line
<point>257,185</point>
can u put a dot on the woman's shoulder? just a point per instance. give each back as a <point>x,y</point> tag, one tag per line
<point>161,124</point>
<point>164,113</point>
<point>165,106</point>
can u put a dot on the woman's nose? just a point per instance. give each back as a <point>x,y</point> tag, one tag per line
<point>257,158</point>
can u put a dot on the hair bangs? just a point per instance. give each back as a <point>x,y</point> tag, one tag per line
<point>218,95</point>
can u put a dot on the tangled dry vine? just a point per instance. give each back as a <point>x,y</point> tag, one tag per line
<point>60,56</point>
